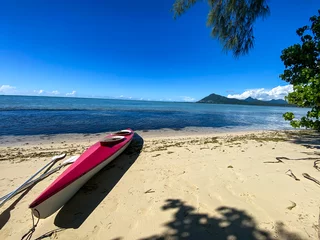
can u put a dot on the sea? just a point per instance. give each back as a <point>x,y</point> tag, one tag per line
<point>30,115</point>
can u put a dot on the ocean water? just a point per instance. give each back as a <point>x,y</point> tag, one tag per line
<point>26,115</point>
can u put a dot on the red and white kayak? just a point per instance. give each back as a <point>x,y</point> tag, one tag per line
<point>72,179</point>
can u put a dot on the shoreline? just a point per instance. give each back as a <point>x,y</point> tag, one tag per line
<point>7,140</point>
<point>212,184</point>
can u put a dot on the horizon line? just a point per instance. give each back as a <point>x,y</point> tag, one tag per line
<point>101,98</point>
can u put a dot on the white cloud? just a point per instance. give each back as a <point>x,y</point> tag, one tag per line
<point>7,89</point>
<point>187,99</point>
<point>264,94</point>
<point>71,94</point>
<point>126,98</point>
<point>11,90</point>
<point>38,91</point>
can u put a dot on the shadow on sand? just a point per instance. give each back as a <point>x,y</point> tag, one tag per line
<point>81,205</point>
<point>308,139</point>
<point>6,214</point>
<point>228,224</point>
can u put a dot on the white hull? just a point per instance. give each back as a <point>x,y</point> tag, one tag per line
<point>55,202</point>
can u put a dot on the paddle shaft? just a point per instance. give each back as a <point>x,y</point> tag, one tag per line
<point>43,176</point>
<point>54,160</point>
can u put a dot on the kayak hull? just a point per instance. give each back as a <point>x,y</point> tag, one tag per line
<point>43,208</point>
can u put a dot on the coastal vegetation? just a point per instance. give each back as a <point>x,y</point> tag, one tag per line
<point>302,70</point>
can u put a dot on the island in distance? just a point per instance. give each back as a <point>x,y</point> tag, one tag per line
<point>218,99</point>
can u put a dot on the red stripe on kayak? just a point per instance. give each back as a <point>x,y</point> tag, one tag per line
<point>91,158</point>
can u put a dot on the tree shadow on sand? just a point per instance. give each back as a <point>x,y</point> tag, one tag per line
<point>81,205</point>
<point>309,139</point>
<point>231,224</point>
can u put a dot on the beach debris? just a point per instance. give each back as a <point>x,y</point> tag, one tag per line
<point>316,165</point>
<point>170,152</point>
<point>316,226</point>
<point>307,176</point>
<point>230,166</point>
<point>149,191</point>
<point>296,159</point>
<point>157,155</point>
<point>278,161</point>
<point>293,205</point>
<point>290,174</point>
<point>51,234</point>
<point>204,148</point>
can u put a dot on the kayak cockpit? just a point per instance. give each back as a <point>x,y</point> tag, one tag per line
<point>123,132</point>
<point>111,140</point>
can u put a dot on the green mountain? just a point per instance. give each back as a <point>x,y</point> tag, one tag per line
<point>218,99</point>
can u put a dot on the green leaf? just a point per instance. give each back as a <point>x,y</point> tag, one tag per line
<point>302,70</point>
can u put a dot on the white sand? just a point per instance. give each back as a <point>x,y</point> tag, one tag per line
<point>216,186</point>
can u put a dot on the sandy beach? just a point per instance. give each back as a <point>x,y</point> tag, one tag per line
<point>173,185</point>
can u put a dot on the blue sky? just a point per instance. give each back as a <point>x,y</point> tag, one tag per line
<point>135,49</point>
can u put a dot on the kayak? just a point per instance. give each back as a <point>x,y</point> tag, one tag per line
<point>72,179</point>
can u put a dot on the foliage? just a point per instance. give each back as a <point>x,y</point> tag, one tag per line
<point>302,70</point>
<point>231,21</point>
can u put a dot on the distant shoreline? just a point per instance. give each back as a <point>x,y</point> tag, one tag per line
<point>218,99</point>
<point>247,104</point>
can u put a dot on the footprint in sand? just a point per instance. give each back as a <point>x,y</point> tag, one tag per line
<point>95,230</point>
<point>240,177</point>
<point>248,197</point>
